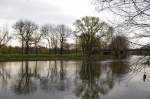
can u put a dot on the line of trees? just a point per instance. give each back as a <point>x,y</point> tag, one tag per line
<point>56,36</point>
<point>90,35</point>
<point>30,34</point>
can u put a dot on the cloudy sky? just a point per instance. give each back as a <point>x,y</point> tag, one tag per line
<point>47,11</point>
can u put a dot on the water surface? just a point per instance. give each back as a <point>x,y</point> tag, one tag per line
<point>109,79</point>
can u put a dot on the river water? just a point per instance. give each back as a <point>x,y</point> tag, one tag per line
<point>86,79</point>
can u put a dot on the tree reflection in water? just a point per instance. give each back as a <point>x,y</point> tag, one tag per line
<point>25,81</point>
<point>119,68</point>
<point>4,76</point>
<point>90,80</point>
<point>56,78</point>
<point>91,85</point>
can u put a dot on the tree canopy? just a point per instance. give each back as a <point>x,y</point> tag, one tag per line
<point>92,33</point>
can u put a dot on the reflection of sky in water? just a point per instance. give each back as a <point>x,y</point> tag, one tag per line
<point>73,80</point>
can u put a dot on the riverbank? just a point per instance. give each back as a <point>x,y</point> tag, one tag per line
<point>42,57</point>
<point>34,57</point>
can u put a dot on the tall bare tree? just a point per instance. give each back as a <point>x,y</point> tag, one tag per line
<point>30,28</point>
<point>19,27</point>
<point>63,32</point>
<point>51,36</point>
<point>4,36</point>
<point>45,31</point>
<point>26,31</point>
<point>36,39</point>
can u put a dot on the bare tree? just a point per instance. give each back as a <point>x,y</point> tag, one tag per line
<point>54,41</point>
<point>132,10</point>
<point>36,39</point>
<point>76,39</point>
<point>19,27</point>
<point>30,28</point>
<point>51,36</point>
<point>63,32</point>
<point>47,31</point>
<point>135,13</point>
<point>4,36</point>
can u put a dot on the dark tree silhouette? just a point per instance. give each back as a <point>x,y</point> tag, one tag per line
<point>29,28</point>
<point>119,45</point>
<point>26,31</point>
<point>19,27</point>
<point>63,32</point>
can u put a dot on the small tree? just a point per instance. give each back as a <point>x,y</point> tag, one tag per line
<point>4,36</point>
<point>119,45</point>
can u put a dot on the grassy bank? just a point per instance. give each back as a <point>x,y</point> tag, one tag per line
<point>33,57</point>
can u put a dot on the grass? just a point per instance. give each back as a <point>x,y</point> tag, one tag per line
<point>33,57</point>
<point>41,57</point>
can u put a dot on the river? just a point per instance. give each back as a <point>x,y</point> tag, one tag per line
<point>107,79</point>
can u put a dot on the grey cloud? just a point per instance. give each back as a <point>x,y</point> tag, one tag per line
<point>35,10</point>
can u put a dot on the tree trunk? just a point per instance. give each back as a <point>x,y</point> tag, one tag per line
<point>27,48</point>
<point>55,50</point>
<point>49,45</point>
<point>36,49</point>
<point>22,45</point>
<point>61,45</point>
<point>76,47</point>
<point>61,49</point>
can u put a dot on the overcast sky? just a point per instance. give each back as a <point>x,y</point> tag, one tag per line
<point>47,11</point>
